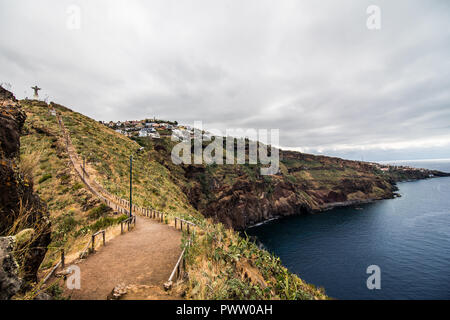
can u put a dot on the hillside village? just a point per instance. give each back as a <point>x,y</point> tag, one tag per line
<point>386,168</point>
<point>151,128</point>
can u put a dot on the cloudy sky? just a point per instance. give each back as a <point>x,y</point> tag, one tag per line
<point>309,68</point>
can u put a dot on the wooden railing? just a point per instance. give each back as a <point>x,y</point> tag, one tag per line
<point>61,263</point>
<point>89,247</point>
<point>179,269</point>
<point>129,221</point>
<point>186,223</point>
<point>92,243</point>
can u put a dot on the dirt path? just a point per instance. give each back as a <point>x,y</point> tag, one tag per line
<point>145,256</point>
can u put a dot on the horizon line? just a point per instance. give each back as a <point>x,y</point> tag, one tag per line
<point>406,160</point>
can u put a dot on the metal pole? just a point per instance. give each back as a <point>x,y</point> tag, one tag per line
<point>131,185</point>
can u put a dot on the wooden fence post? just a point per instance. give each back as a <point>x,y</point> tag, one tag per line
<point>104,237</point>
<point>63,260</point>
<point>93,243</point>
<point>184,264</point>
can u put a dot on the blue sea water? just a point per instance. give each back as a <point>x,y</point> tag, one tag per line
<point>407,237</point>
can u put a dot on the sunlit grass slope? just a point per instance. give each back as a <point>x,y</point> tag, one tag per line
<point>74,211</point>
<point>109,153</point>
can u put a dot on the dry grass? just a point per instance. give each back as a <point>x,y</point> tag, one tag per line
<point>43,155</point>
<point>223,265</point>
<point>28,164</point>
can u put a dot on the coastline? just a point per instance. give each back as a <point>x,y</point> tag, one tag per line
<point>417,226</point>
<point>342,204</point>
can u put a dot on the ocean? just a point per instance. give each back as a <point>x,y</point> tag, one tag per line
<point>408,238</point>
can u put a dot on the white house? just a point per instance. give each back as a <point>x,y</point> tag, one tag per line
<point>154,135</point>
<point>181,134</point>
<point>143,133</point>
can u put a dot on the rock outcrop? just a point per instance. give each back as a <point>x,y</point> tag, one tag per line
<point>246,203</point>
<point>20,208</point>
<point>10,282</point>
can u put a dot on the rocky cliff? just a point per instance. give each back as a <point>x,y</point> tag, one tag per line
<point>239,196</point>
<point>20,208</point>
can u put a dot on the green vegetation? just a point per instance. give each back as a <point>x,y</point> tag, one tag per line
<point>99,212</point>
<point>45,177</point>
<point>100,224</point>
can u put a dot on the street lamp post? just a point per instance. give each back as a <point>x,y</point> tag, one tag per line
<point>131,185</point>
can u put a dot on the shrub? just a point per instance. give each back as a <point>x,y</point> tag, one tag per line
<point>98,212</point>
<point>106,222</point>
<point>45,177</point>
<point>77,186</point>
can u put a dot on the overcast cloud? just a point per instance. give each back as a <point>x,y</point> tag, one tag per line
<point>310,68</point>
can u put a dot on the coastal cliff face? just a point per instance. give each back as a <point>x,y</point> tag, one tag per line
<point>306,184</point>
<point>22,214</point>
<point>239,197</point>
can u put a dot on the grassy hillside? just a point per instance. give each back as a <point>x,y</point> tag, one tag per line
<point>109,152</point>
<point>221,264</point>
<point>75,213</point>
